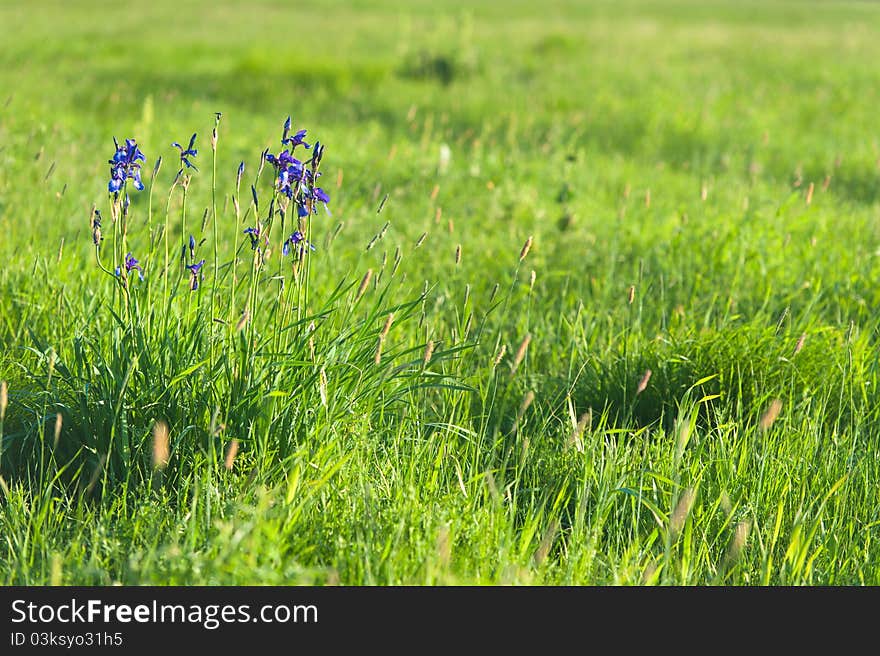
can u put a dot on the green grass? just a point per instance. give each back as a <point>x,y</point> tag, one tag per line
<point>666,148</point>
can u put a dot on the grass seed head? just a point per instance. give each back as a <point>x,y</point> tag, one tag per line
<point>770,414</point>
<point>738,541</point>
<point>58,422</point>
<point>4,399</point>
<point>499,356</point>
<point>387,326</point>
<point>429,351</point>
<point>681,511</point>
<point>494,293</point>
<point>231,453</point>
<point>546,544</point>
<point>576,437</point>
<point>161,448</point>
<point>458,255</point>
<point>322,387</point>
<point>725,503</point>
<point>365,281</point>
<point>377,358</point>
<point>643,383</point>
<point>521,352</point>
<point>527,401</point>
<point>242,321</point>
<point>524,251</point>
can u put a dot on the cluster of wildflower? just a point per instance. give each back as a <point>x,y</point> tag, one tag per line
<point>125,165</point>
<point>295,182</point>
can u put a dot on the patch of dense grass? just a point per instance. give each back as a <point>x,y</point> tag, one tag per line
<point>677,384</point>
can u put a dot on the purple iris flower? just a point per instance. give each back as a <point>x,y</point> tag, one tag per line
<point>289,176</point>
<point>194,274</point>
<point>131,263</point>
<point>299,242</point>
<point>296,140</point>
<point>284,160</point>
<point>124,165</point>
<point>311,196</point>
<point>188,152</point>
<point>192,248</point>
<point>254,234</point>
<point>297,179</point>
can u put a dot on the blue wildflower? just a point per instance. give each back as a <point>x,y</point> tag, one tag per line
<point>296,140</point>
<point>192,248</point>
<point>299,242</point>
<point>283,160</point>
<point>255,233</point>
<point>289,177</point>
<point>195,274</point>
<point>124,166</point>
<point>321,195</point>
<point>131,263</point>
<point>314,195</point>
<point>188,152</point>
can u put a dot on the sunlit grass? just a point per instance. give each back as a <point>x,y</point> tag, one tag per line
<point>675,383</point>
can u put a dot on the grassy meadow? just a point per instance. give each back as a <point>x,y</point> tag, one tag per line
<point>596,303</point>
